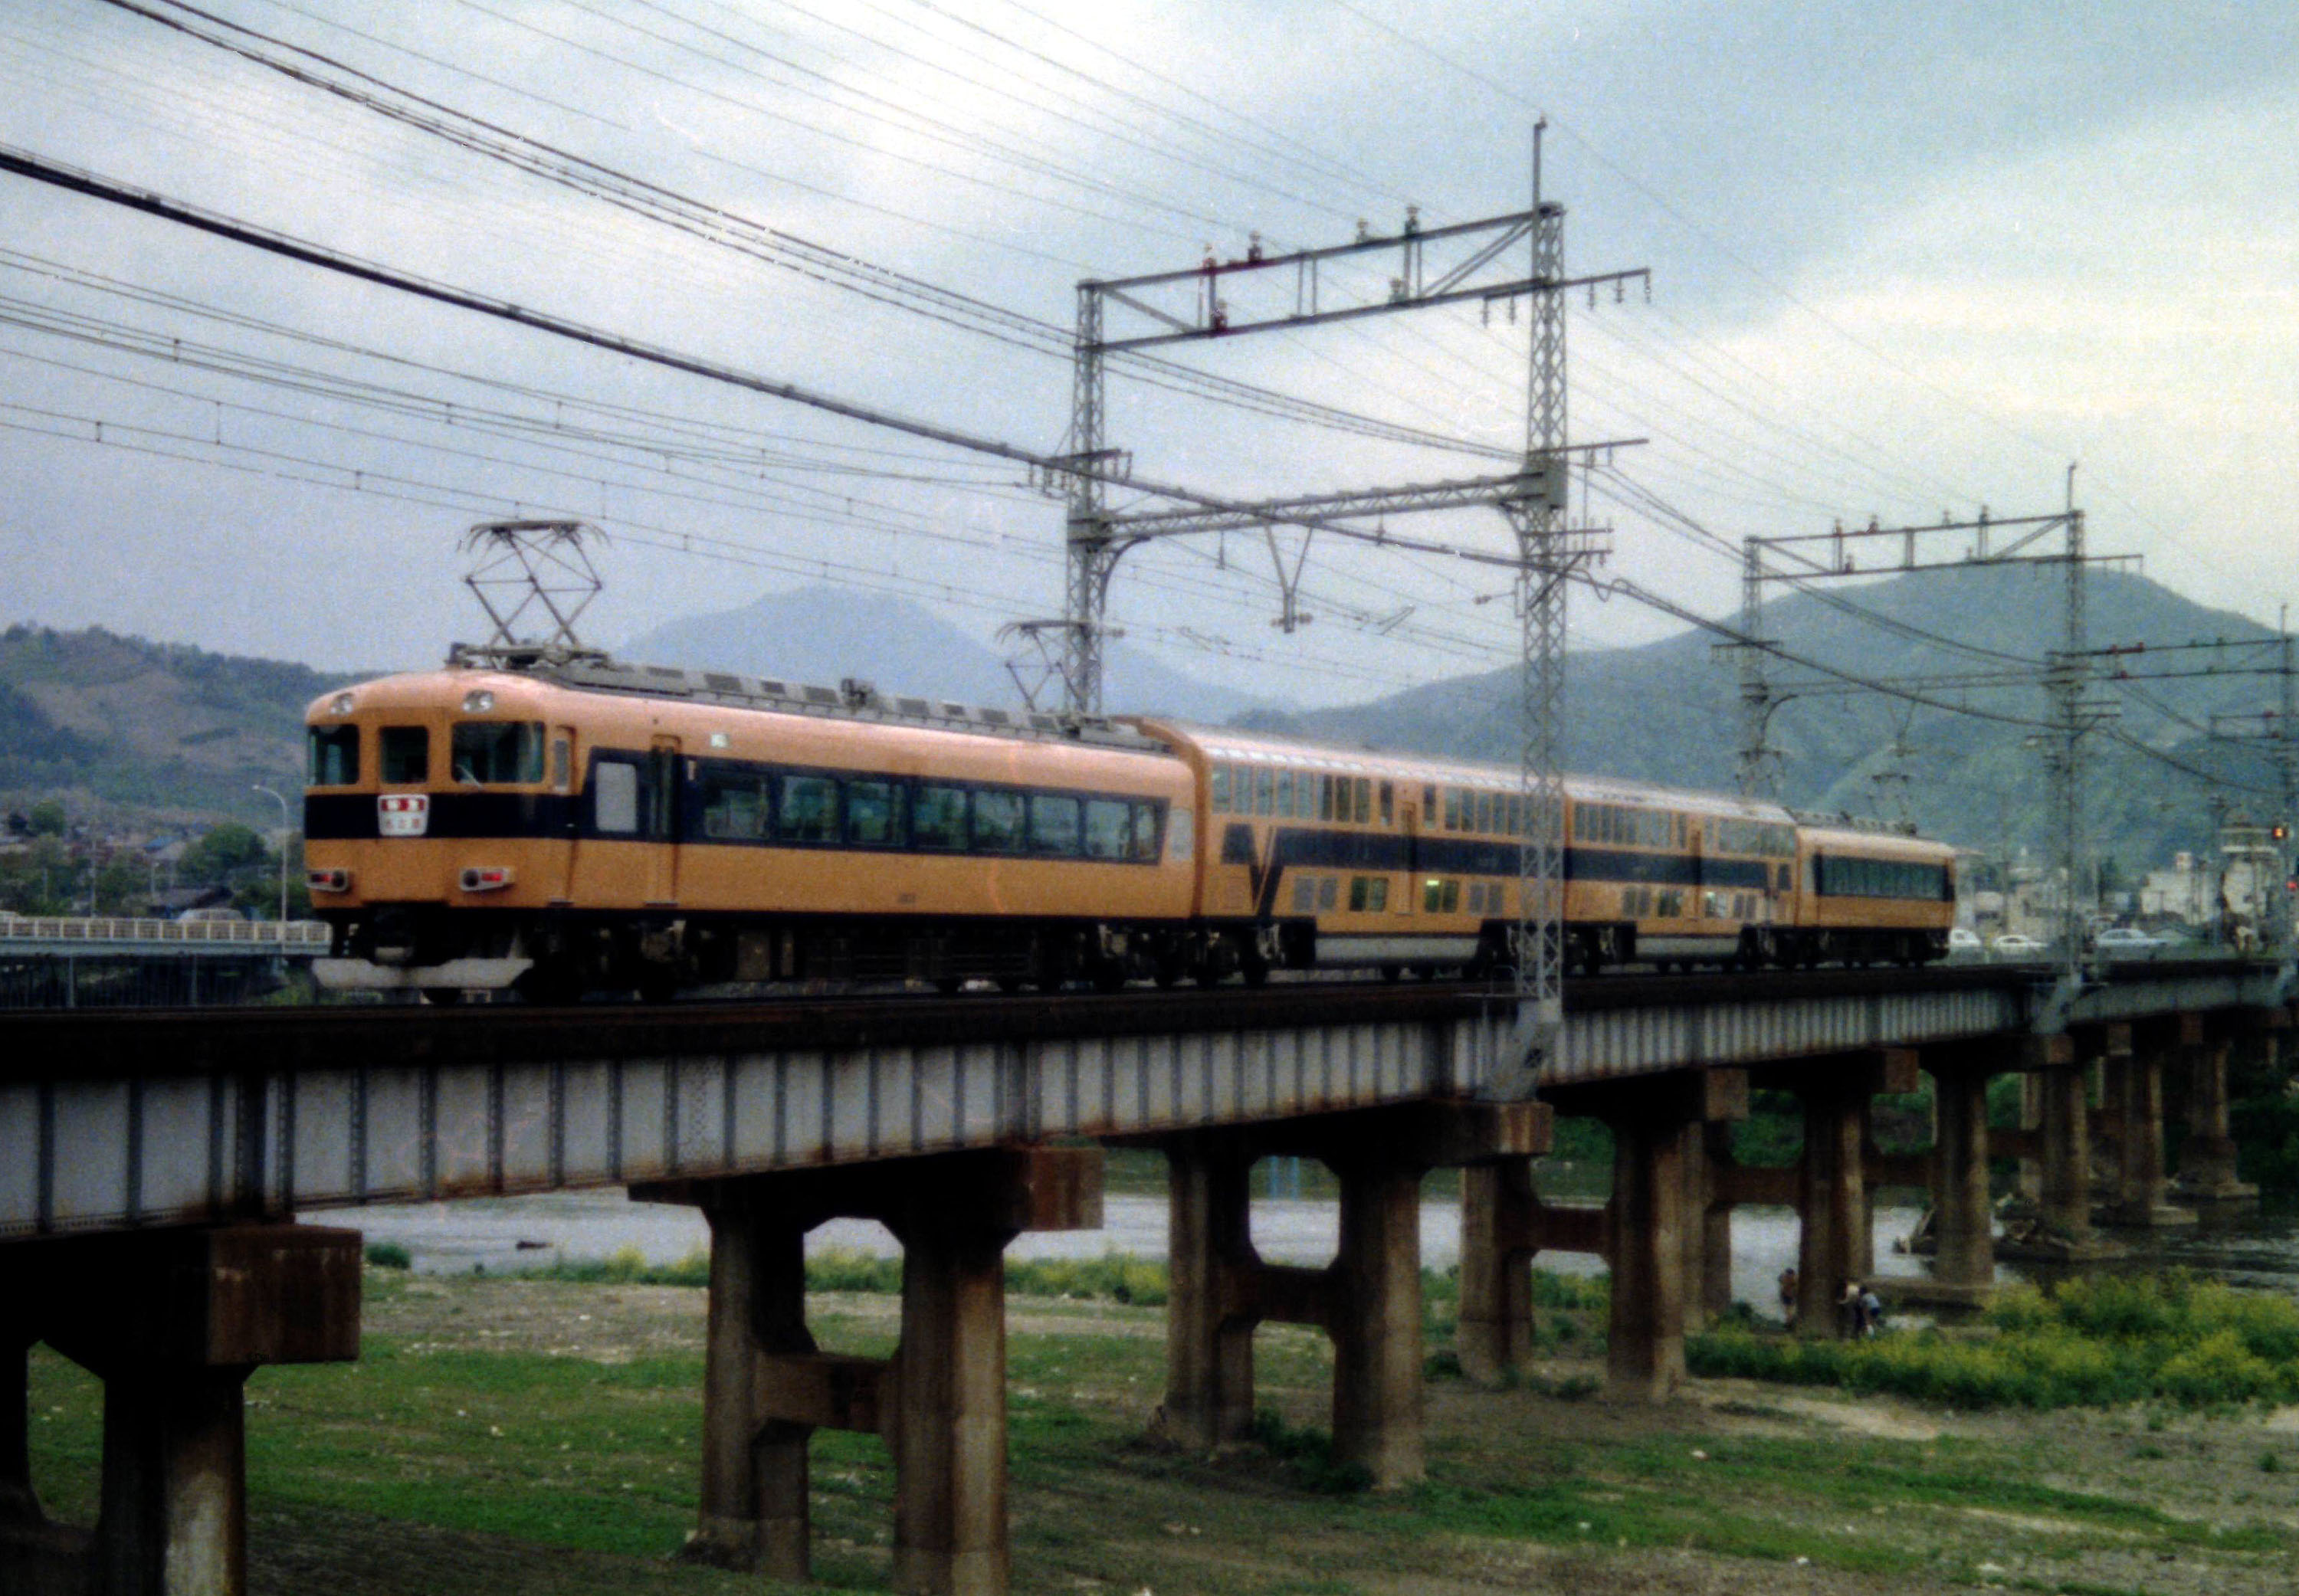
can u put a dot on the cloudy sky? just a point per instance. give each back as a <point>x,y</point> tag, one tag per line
<point>1900,267</point>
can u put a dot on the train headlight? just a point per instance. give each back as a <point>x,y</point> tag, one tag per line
<point>478,701</point>
<point>341,704</point>
<point>486,877</point>
<point>329,880</point>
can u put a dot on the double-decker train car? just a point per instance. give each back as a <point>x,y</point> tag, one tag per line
<point>554,822</point>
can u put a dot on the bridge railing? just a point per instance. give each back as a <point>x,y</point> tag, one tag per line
<point>302,934</point>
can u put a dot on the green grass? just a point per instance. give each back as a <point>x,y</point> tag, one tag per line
<point>571,1455</point>
<point>2096,1342</point>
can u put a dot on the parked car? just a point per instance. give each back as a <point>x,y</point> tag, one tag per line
<point>213,911</point>
<point>1964,943</point>
<point>2125,941</point>
<point>2012,945</point>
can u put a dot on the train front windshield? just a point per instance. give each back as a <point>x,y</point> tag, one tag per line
<point>496,753</point>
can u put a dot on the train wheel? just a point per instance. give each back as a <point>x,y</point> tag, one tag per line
<point>658,983</point>
<point>442,998</point>
<point>1208,974</point>
<point>1010,984</point>
<point>1392,973</point>
<point>948,985</point>
<point>1109,975</point>
<point>1255,970</point>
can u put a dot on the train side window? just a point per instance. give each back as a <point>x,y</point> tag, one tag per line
<point>1218,788</point>
<point>562,763</point>
<point>1476,897</point>
<point>1053,824</point>
<point>335,756</point>
<point>1108,821</point>
<point>1452,811</point>
<point>1285,795</point>
<point>1181,836</point>
<point>1389,802</point>
<point>809,811</point>
<point>1377,898</point>
<point>938,818</point>
<point>736,808</point>
<point>997,821</point>
<point>1432,893</point>
<point>1264,790</point>
<point>1365,800</point>
<point>1305,894</point>
<point>615,797</point>
<point>1429,803</point>
<point>406,755</point>
<point>1333,799</point>
<point>874,814</point>
<point>1329,892</point>
<point>1357,887</point>
<point>1145,834</point>
<point>1452,899</point>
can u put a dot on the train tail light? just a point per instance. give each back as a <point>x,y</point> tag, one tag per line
<point>486,877</point>
<point>329,880</point>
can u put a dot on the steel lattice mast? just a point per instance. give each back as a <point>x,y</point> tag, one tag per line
<point>1092,555</point>
<point>1544,546</point>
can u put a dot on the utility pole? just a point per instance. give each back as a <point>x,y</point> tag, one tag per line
<point>1760,763</point>
<point>2072,707</point>
<point>2278,730</point>
<point>2273,731</point>
<point>286,829</point>
<point>1224,299</point>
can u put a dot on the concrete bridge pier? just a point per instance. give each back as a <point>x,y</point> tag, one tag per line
<point>940,1402</point>
<point>1501,1233</point>
<point>1964,1217</point>
<point>1836,1244</point>
<point>173,1322</point>
<point>2207,1156</point>
<point>2134,1079</point>
<point>1367,1300</point>
<point>1655,1238</point>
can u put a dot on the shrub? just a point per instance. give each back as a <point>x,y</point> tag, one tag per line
<point>2113,1339</point>
<point>388,1255</point>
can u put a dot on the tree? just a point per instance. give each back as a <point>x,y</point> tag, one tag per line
<point>121,885</point>
<point>47,818</point>
<point>222,856</point>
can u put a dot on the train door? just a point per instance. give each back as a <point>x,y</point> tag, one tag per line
<point>1408,822</point>
<point>563,828</point>
<point>661,816</point>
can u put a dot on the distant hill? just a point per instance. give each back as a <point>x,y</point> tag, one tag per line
<point>168,727</point>
<point>824,633</point>
<point>1670,711</point>
<point>151,726</point>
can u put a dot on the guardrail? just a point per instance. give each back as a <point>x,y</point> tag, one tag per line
<point>272,933</point>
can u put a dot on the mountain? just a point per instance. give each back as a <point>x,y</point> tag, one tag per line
<point>168,727</point>
<point>825,634</point>
<point>150,726</point>
<point>1670,711</point>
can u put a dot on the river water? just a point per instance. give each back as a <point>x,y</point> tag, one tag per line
<point>2258,1249</point>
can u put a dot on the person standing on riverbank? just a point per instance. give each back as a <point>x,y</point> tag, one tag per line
<point>1789,1285</point>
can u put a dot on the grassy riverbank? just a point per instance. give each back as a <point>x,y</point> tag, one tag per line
<point>2096,1342</point>
<point>539,1434</point>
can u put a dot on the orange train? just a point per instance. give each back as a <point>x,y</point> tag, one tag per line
<point>555,822</point>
